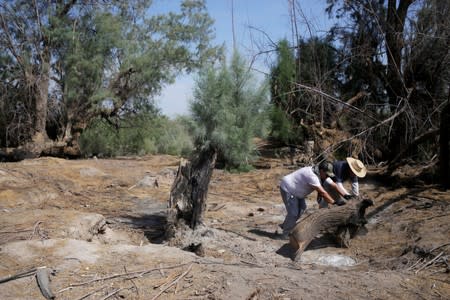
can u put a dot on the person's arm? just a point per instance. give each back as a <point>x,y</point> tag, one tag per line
<point>339,187</point>
<point>321,191</point>
<point>340,172</point>
<point>355,187</point>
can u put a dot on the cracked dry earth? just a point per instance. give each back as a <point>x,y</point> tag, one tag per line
<point>96,224</point>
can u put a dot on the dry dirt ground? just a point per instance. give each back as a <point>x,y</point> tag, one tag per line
<point>96,224</point>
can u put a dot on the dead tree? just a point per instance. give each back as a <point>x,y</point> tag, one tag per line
<point>344,221</point>
<point>188,195</point>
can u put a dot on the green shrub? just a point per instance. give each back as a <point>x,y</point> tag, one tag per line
<point>228,111</point>
<point>139,135</point>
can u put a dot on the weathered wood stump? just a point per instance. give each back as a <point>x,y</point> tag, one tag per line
<point>188,195</point>
<point>344,221</point>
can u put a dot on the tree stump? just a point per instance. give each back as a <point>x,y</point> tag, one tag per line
<point>188,195</point>
<point>344,221</point>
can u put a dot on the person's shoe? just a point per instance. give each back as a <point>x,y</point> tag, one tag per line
<point>281,236</point>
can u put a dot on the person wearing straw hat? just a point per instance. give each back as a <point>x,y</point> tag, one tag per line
<point>348,169</point>
<point>295,186</point>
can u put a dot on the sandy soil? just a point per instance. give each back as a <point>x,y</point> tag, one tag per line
<point>96,224</point>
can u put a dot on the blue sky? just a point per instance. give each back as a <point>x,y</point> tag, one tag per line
<point>271,20</point>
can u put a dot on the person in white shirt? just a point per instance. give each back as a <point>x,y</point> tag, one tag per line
<point>295,186</point>
<point>348,169</point>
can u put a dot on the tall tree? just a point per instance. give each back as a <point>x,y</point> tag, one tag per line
<point>316,67</point>
<point>26,51</point>
<point>93,59</point>
<point>406,60</point>
<point>283,94</point>
<point>312,65</point>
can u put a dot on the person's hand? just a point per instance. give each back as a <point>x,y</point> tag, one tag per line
<point>348,197</point>
<point>339,202</point>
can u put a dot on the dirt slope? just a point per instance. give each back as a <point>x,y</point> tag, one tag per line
<point>97,225</point>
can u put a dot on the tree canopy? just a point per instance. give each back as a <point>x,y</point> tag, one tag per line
<point>386,83</point>
<point>66,63</point>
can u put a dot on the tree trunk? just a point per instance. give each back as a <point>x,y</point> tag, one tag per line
<point>444,142</point>
<point>41,101</point>
<point>395,22</point>
<point>338,219</point>
<point>188,195</point>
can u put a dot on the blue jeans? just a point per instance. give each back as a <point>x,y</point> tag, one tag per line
<point>294,207</point>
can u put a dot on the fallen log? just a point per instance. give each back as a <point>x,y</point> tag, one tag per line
<point>344,221</point>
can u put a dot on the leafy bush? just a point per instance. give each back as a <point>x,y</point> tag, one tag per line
<point>139,135</point>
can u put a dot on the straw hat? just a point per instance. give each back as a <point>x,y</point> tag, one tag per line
<point>357,167</point>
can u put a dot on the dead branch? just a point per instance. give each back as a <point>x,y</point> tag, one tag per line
<point>161,271</point>
<point>349,103</point>
<point>35,227</point>
<point>384,122</point>
<point>417,140</point>
<point>216,207</point>
<point>356,98</point>
<point>251,263</point>
<point>237,233</point>
<point>91,293</point>
<point>443,245</point>
<point>135,274</point>
<point>18,275</point>
<point>163,282</point>
<point>437,216</point>
<point>18,231</point>
<point>429,262</point>
<point>113,293</point>
<point>320,92</point>
<point>415,264</point>
<point>174,282</point>
<point>131,279</point>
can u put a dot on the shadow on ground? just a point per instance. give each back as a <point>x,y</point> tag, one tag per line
<point>152,225</point>
<point>322,241</point>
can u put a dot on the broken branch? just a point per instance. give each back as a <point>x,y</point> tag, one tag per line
<point>132,275</point>
<point>429,263</point>
<point>18,275</point>
<point>174,282</point>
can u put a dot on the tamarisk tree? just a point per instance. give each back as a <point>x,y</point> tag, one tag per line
<point>66,63</point>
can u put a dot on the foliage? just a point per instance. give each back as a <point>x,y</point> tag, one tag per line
<point>381,74</point>
<point>141,134</point>
<point>312,65</point>
<point>77,61</point>
<point>397,52</point>
<point>228,110</point>
<point>283,79</point>
<point>282,128</point>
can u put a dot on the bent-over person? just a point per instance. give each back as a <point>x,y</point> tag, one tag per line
<point>349,169</point>
<point>295,186</point>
